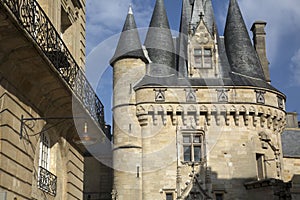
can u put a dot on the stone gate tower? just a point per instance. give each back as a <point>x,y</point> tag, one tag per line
<point>195,116</point>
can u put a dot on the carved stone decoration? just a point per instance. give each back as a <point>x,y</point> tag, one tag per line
<point>222,95</point>
<point>190,95</point>
<point>202,37</point>
<point>227,118</point>
<point>260,96</point>
<point>160,95</point>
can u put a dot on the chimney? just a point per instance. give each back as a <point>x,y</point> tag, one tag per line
<point>259,40</point>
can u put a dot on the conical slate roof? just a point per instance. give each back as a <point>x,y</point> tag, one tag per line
<point>129,45</point>
<point>209,17</point>
<point>183,37</point>
<point>197,10</point>
<point>242,56</point>
<point>159,42</point>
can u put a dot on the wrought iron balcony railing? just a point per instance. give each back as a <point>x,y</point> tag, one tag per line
<point>33,19</point>
<point>47,181</point>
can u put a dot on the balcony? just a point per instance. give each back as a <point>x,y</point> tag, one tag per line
<point>28,17</point>
<point>47,181</point>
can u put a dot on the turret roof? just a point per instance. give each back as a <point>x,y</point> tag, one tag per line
<point>241,54</point>
<point>159,42</point>
<point>129,45</point>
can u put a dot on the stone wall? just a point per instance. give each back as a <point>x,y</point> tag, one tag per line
<point>20,156</point>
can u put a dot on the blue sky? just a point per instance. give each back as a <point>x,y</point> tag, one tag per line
<point>105,20</point>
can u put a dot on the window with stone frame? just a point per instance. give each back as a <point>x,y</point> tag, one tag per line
<point>44,159</point>
<point>219,196</point>
<point>260,164</point>
<point>203,58</point>
<point>169,196</point>
<point>192,147</point>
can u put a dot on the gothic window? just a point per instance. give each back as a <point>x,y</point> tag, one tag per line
<point>44,159</point>
<point>260,164</point>
<point>192,147</point>
<point>203,58</point>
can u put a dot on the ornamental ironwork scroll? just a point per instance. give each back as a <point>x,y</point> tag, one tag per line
<point>33,19</point>
<point>47,181</point>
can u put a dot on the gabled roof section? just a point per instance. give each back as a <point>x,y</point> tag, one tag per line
<point>129,45</point>
<point>159,42</point>
<point>241,54</point>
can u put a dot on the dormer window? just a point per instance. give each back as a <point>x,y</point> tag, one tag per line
<point>203,58</point>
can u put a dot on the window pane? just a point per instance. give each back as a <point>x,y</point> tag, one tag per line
<point>198,60</point>
<point>197,154</point>
<point>207,62</point>
<point>197,139</point>
<point>169,196</point>
<point>219,196</point>
<point>187,153</point>
<point>207,52</point>
<point>197,52</point>
<point>186,139</point>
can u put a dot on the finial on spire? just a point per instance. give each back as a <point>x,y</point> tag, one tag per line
<point>130,12</point>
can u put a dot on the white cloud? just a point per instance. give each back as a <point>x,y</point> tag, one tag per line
<point>282,18</point>
<point>295,68</point>
<point>106,18</point>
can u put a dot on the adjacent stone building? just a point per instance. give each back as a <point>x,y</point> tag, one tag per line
<point>291,154</point>
<point>195,117</point>
<point>48,108</point>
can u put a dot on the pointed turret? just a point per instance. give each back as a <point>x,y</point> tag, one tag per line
<point>159,43</point>
<point>209,17</point>
<point>197,11</point>
<point>183,37</point>
<point>241,54</point>
<point>129,45</point>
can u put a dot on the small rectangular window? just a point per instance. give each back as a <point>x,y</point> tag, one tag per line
<point>260,166</point>
<point>219,196</point>
<point>169,196</point>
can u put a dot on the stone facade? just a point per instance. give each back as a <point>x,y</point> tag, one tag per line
<point>209,127</point>
<point>41,151</point>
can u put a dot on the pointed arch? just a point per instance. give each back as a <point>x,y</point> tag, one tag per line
<point>151,109</point>
<point>203,108</point>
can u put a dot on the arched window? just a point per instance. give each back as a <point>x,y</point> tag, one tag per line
<point>44,160</point>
